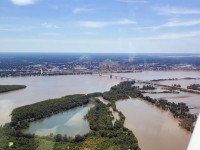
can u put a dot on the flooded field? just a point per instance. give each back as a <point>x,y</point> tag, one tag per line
<point>154,128</point>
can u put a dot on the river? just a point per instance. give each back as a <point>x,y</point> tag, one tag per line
<point>154,128</point>
<point>42,88</point>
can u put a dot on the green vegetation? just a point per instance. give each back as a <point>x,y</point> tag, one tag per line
<point>122,91</point>
<point>99,117</point>
<point>148,87</point>
<point>194,87</point>
<point>22,116</point>
<point>126,89</point>
<point>8,88</point>
<point>11,139</point>
<point>113,137</point>
<point>170,79</point>
<point>103,134</point>
<point>180,111</point>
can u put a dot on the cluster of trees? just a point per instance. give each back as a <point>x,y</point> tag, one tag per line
<point>194,87</point>
<point>29,74</point>
<point>22,116</point>
<point>157,80</point>
<point>15,140</point>
<point>126,89</point>
<point>148,87</point>
<point>176,85</point>
<point>189,78</point>
<point>122,91</point>
<point>8,88</point>
<point>99,117</point>
<point>179,110</point>
<point>103,134</point>
<point>100,120</point>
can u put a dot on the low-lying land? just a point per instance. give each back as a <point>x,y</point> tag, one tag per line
<point>8,88</point>
<point>194,87</point>
<point>22,116</point>
<point>180,110</point>
<point>103,133</point>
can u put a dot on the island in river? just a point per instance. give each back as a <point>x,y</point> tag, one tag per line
<point>103,133</point>
<point>8,88</point>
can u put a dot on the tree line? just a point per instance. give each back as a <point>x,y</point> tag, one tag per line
<point>103,134</point>
<point>22,116</point>
<point>180,111</point>
<point>8,88</point>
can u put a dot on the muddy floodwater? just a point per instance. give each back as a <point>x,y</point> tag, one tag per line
<point>42,88</point>
<point>192,100</point>
<point>183,82</point>
<point>155,129</point>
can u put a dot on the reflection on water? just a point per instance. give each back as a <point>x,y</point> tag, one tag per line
<point>71,122</point>
<point>154,128</point>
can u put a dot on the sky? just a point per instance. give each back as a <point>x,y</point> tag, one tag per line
<point>100,26</point>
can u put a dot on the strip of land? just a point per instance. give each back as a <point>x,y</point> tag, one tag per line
<point>103,135</point>
<point>8,88</point>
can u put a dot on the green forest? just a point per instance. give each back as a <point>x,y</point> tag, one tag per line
<point>8,88</point>
<point>22,116</point>
<point>103,133</point>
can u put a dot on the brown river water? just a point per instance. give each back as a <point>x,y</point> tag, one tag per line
<point>155,129</point>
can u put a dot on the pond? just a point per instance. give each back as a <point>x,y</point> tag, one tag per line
<point>71,123</point>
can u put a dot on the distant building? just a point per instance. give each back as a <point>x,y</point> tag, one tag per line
<point>55,70</point>
<point>108,66</point>
<point>80,68</point>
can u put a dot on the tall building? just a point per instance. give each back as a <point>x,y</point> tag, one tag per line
<point>108,66</point>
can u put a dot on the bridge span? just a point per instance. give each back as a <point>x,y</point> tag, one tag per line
<point>152,83</point>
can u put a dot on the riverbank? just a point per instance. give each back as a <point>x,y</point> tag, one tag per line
<point>9,88</point>
<point>104,134</point>
<point>121,91</point>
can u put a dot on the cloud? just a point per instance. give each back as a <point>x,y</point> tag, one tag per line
<point>101,24</point>
<point>48,25</point>
<point>176,11</point>
<point>17,29</point>
<point>172,24</point>
<point>51,34</point>
<point>171,36</point>
<point>80,10</point>
<point>23,2</point>
<point>89,33</point>
<point>133,1</point>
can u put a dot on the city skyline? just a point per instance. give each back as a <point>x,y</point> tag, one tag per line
<point>115,26</point>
